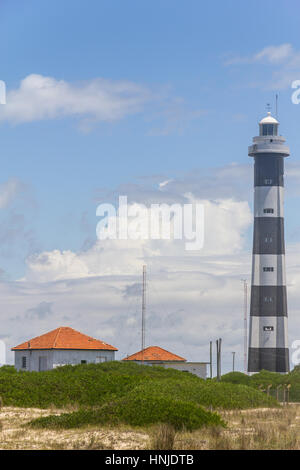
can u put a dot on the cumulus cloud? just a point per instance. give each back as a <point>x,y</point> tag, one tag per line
<point>98,290</point>
<point>283,59</point>
<point>190,300</point>
<point>225,224</point>
<point>192,297</point>
<point>89,102</point>
<point>39,97</point>
<point>270,54</point>
<point>275,54</point>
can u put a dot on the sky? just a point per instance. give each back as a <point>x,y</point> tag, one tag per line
<point>157,101</point>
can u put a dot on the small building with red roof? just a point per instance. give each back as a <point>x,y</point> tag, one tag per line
<point>154,355</point>
<point>59,347</point>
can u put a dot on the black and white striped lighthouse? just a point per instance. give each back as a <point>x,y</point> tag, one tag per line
<point>268,343</point>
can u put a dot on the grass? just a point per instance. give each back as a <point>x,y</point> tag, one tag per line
<point>163,437</point>
<point>253,429</point>
<point>123,392</point>
<point>277,429</point>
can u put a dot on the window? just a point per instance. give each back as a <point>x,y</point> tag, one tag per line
<point>24,362</point>
<point>268,211</point>
<point>268,181</point>
<point>268,269</point>
<point>268,239</point>
<point>268,299</point>
<point>83,361</point>
<point>268,328</point>
<point>269,129</point>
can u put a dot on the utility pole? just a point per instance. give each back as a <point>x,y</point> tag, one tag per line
<point>233,359</point>
<point>244,281</point>
<point>219,343</point>
<point>143,312</point>
<point>210,359</point>
<point>217,347</point>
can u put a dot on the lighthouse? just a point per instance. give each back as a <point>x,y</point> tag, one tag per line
<point>268,340</point>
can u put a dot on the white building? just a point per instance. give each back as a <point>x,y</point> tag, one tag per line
<point>60,347</point>
<point>156,356</point>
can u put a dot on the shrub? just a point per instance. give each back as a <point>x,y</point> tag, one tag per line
<point>265,378</point>
<point>136,410</point>
<point>100,385</point>
<point>236,378</point>
<point>208,394</point>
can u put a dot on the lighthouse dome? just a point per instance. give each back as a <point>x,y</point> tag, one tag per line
<point>269,119</point>
<point>268,126</point>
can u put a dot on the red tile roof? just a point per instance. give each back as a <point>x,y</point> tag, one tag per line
<point>64,338</point>
<point>154,353</point>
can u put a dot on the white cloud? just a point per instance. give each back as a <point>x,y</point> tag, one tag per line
<point>190,300</point>
<point>192,297</point>
<point>39,97</point>
<point>97,100</point>
<point>269,54</point>
<point>275,54</point>
<point>98,290</point>
<point>226,222</point>
<point>284,60</point>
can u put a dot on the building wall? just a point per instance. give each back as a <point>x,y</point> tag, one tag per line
<point>196,368</point>
<point>39,359</point>
<point>72,356</point>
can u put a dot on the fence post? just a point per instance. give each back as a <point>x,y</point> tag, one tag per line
<point>277,391</point>
<point>284,394</point>
<point>288,393</point>
<point>268,389</point>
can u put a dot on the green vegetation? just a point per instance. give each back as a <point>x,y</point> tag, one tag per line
<point>136,410</point>
<point>121,392</point>
<point>265,378</point>
<point>95,384</point>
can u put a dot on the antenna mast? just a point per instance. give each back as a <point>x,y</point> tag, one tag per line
<point>276,105</point>
<point>143,311</point>
<point>245,324</point>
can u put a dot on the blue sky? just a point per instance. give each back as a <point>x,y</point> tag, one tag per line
<point>186,83</point>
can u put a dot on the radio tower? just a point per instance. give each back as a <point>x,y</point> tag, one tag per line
<point>268,344</point>
<point>143,311</point>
